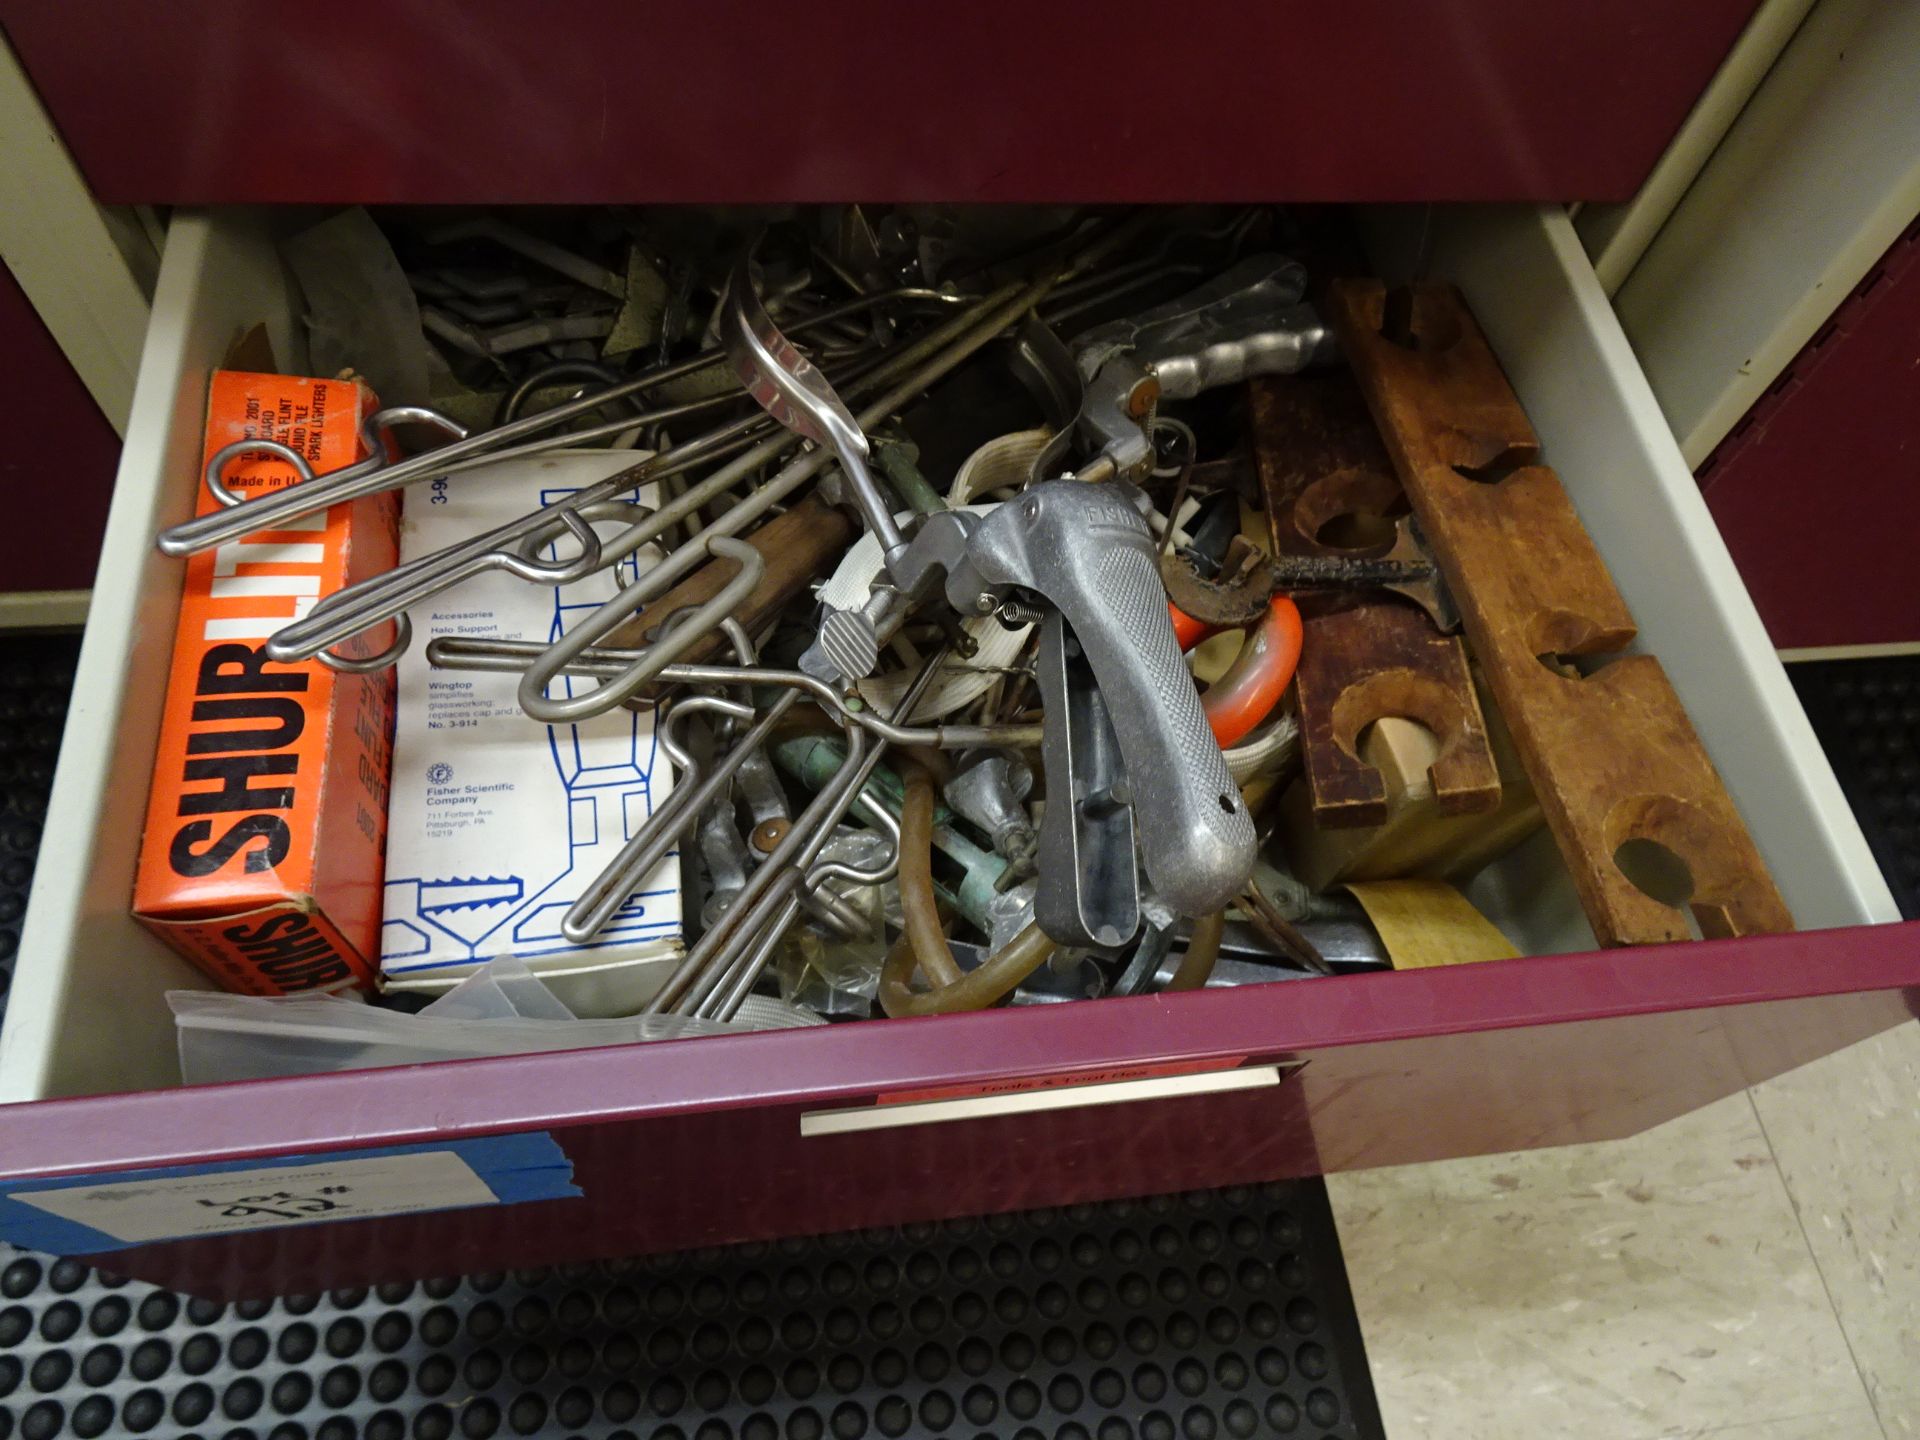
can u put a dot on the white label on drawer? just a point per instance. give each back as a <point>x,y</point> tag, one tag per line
<point>1017,1099</point>
<point>220,1202</point>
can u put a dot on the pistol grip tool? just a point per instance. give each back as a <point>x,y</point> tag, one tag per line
<point>1125,735</point>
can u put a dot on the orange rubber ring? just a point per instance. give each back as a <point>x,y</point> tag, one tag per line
<point>1187,630</point>
<point>1239,700</point>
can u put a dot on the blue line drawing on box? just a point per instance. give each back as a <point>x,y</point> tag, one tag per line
<point>603,769</point>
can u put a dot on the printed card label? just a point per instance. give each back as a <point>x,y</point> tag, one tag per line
<point>88,1214</point>
<point>133,1211</point>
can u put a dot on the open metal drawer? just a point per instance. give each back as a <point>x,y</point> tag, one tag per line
<point>711,1140</point>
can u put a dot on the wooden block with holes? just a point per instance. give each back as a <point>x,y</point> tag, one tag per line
<point>1371,660</point>
<point>1325,478</point>
<point>1416,837</point>
<point>1330,490</point>
<point>1621,776</point>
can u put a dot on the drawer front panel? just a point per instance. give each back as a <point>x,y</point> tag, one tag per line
<point>705,1142</point>
<point>612,102</point>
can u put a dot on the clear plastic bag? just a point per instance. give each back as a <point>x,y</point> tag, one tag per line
<point>503,989</point>
<point>502,1009</point>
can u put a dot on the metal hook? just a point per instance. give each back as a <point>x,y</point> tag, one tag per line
<point>374,430</point>
<point>377,428</point>
<point>520,561</point>
<point>372,664</point>
<point>653,658</point>
<point>706,964</point>
<point>724,1000</point>
<point>347,613</point>
<point>608,891</point>
<point>691,796</point>
<point>217,465</point>
<point>768,903</point>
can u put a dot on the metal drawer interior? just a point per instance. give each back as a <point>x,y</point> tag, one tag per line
<point>86,1015</point>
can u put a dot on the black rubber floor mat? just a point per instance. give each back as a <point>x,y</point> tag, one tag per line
<point>1867,714</point>
<point>1217,1315</point>
<point>36,674</point>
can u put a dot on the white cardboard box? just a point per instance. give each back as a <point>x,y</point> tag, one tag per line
<point>496,822</point>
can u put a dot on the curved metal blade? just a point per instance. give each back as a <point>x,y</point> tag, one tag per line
<point>787,385</point>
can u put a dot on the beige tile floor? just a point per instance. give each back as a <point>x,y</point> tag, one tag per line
<point>1747,1272</point>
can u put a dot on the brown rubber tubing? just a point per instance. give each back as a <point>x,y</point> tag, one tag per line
<point>924,945</point>
<point>1203,949</point>
<point>974,990</point>
<point>917,906</point>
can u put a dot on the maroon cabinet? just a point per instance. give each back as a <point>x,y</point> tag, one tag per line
<point>56,469</point>
<point>1817,490</point>
<point>741,101</point>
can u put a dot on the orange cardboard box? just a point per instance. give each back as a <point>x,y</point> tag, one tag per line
<point>267,823</point>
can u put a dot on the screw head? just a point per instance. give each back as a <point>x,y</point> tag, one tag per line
<point>1143,397</point>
